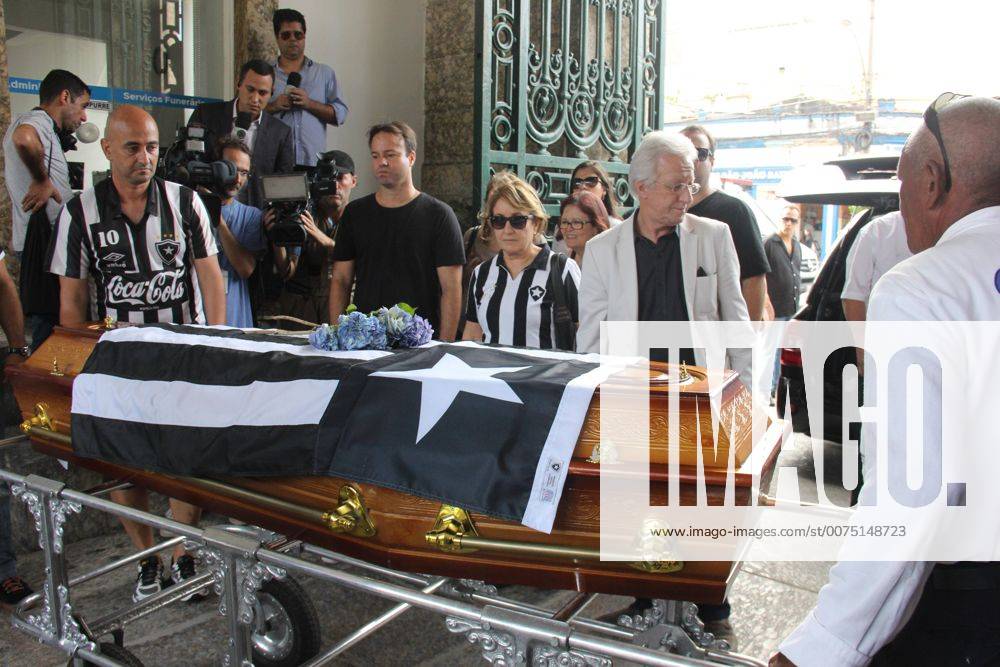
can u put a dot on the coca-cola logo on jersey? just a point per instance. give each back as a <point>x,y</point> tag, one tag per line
<point>165,288</point>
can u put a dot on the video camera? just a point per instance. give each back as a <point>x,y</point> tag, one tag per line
<point>186,162</point>
<point>288,196</point>
<point>292,194</point>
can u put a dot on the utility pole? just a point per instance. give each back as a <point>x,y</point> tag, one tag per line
<point>870,72</point>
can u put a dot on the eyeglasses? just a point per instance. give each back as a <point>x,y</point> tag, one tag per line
<point>573,224</point>
<point>792,220</point>
<point>931,120</point>
<point>498,222</point>
<point>590,182</point>
<point>704,154</point>
<point>678,188</point>
<point>289,34</point>
<point>245,173</point>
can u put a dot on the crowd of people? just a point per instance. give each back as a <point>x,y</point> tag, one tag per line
<point>141,249</point>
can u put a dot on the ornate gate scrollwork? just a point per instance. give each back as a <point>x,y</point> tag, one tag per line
<point>561,81</point>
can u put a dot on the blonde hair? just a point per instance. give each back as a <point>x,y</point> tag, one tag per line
<point>518,194</point>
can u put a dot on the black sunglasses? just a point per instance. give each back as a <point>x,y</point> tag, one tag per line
<point>289,34</point>
<point>931,120</point>
<point>498,222</point>
<point>704,154</point>
<point>590,182</point>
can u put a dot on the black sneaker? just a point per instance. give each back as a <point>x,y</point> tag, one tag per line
<point>148,582</point>
<point>14,589</point>
<point>183,569</point>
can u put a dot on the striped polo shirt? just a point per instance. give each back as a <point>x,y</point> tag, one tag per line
<point>519,310</point>
<point>143,272</point>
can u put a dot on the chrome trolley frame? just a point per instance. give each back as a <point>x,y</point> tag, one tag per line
<point>241,559</point>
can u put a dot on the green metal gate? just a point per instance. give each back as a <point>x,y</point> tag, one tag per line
<point>562,81</point>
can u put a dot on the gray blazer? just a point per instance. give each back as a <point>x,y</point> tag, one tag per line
<point>273,151</point>
<point>609,290</point>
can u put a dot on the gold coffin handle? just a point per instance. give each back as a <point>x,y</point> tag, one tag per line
<point>351,515</point>
<point>40,420</point>
<point>452,524</point>
<point>455,532</point>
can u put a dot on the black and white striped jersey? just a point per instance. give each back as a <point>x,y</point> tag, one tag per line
<point>519,311</point>
<point>143,273</point>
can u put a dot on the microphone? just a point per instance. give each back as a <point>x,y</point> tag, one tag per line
<point>243,120</point>
<point>88,133</point>
<point>241,125</point>
<point>294,81</point>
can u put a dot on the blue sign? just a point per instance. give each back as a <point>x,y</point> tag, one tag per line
<point>108,96</point>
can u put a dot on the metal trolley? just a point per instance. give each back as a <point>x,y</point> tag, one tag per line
<point>271,620</point>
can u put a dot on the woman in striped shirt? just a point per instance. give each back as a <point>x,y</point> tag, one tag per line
<point>527,294</point>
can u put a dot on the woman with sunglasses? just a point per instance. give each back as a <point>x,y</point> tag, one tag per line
<point>581,218</point>
<point>591,177</point>
<point>527,294</point>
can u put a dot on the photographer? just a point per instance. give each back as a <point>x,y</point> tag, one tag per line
<point>148,245</point>
<point>269,139</point>
<point>307,95</point>
<point>242,236</point>
<point>37,176</point>
<point>306,293</point>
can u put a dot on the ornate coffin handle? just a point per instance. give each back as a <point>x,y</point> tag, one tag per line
<point>452,524</point>
<point>40,420</point>
<point>351,515</point>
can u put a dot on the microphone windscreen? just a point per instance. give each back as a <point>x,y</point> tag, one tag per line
<point>295,79</point>
<point>88,133</point>
<point>243,120</point>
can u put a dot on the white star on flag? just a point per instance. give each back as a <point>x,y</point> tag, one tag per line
<point>441,383</point>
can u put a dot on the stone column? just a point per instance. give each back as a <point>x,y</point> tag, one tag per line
<point>5,219</point>
<point>449,105</point>
<point>253,32</point>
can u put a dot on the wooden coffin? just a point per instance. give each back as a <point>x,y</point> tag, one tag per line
<point>405,532</point>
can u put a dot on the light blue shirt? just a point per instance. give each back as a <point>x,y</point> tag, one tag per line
<point>246,224</point>
<point>309,132</point>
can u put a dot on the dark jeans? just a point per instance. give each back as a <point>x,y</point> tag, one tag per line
<point>39,328</point>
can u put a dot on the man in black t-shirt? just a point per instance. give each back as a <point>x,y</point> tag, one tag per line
<point>716,204</point>
<point>399,244</point>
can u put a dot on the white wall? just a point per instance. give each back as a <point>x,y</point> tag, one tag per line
<point>376,47</point>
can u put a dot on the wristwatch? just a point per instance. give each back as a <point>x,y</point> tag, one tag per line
<point>23,351</point>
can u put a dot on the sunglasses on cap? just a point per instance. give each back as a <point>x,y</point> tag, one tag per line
<point>590,182</point>
<point>931,120</point>
<point>704,154</point>
<point>498,222</point>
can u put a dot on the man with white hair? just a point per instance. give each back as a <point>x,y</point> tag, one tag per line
<point>662,263</point>
<point>916,612</point>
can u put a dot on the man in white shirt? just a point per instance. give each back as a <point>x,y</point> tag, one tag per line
<point>878,247</point>
<point>918,612</point>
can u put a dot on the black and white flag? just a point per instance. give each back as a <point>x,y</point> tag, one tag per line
<point>206,401</point>
<point>485,428</point>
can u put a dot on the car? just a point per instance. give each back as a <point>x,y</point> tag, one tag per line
<point>870,184</point>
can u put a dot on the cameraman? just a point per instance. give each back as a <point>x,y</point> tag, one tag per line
<point>306,293</point>
<point>148,245</point>
<point>242,236</point>
<point>37,176</point>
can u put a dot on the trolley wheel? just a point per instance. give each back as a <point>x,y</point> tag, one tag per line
<point>285,627</point>
<point>115,652</point>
